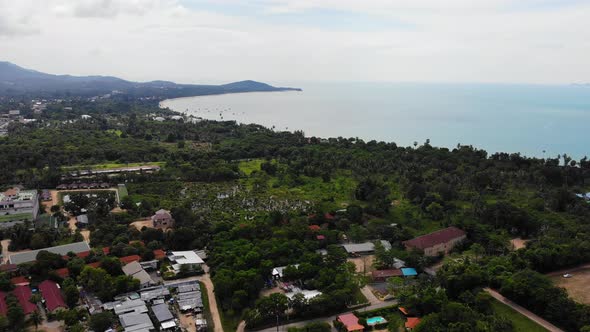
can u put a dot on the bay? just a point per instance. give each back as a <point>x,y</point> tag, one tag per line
<point>535,120</point>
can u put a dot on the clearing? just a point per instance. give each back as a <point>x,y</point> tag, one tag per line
<point>578,286</point>
<point>520,322</point>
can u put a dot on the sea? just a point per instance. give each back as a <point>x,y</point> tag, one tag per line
<point>534,120</point>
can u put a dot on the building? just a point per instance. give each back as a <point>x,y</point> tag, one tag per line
<point>136,322</point>
<point>351,322</point>
<point>31,256</point>
<point>411,323</point>
<point>383,275</point>
<point>189,297</point>
<point>439,242</point>
<point>162,219</point>
<point>277,272</point>
<point>190,259</point>
<point>23,295</point>
<point>82,220</point>
<point>366,248</point>
<point>19,205</point>
<point>163,316</point>
<point>135,270</point>
<point>52,295</point>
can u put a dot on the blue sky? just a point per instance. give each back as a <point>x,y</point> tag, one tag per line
<point>507,41</point>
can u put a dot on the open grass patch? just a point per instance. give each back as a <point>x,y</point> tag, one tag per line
<point>519,322</point>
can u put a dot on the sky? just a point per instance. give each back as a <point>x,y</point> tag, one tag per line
<point>214,41</point>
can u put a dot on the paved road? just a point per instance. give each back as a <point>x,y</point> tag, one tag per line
<point>550,327</point>
<point>283,328</point>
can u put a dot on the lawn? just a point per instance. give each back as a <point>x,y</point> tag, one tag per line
<point>17,216</point>
<point>249,166</point>
<point>113,165</point>
<point>520,322</point>
<point>122,191</point>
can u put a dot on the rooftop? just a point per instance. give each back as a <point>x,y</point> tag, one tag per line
<point>364,247</point>
<point>31,256</point>
<point>52,295</point>
<point>23,294</point>
<point>412,322</point>
<point>351,322</point>
<point>435,238</point>
<point>162,313</point>
<point>387,273</point>
<point>186,257</point>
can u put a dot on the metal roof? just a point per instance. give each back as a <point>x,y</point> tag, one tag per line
<point>162,312</point>
<point>31,256</point>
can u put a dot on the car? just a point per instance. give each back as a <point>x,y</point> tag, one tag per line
<point>567,275</point>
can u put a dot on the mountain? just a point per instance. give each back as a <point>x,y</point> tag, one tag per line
<point>18,81</point>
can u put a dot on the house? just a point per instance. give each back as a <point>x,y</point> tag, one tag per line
<point>23,295</point>
<point>129,259</point>
<point>189,258</point>
<point>411,323</point>
<point>439,242</point>
<point>3,306</point>
<point>277,272</point>
<point>82,220</point>
<point>31,256</point>
<point>307,294</point>
<point>162,219</point>
<point>383,275</point>
<point>163,316</point>
<point>366,248</point>
<point>19,205</point>
<point>135,270</point>
<point>189,297</point>
<point>136,322</point>
<point>46,195</point>
<point>159,254</point>
<point>52,295</point>
<point>20,281</point>
<point>351,322</point>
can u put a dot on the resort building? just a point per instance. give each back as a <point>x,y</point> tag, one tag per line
<point>52,295</point>
<point>439,242</point>
<point>189,258</point>
<point>18,205</point>
<point>351,322</point>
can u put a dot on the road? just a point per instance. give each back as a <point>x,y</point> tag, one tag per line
<point>550,327</point>
<point>330,319</point>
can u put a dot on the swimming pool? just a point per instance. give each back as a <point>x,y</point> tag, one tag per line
<point>376,320</point>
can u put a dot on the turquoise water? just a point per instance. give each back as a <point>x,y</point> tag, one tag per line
<point>375,320</point>
<point>536,120</point>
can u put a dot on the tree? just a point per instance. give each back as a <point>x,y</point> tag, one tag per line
<point>35,318</point>
<point>72,295</point>
<point>101,321</point>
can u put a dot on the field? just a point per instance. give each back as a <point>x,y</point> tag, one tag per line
<point>520,322</point>
<point>578,286</point>
<point>17,216</point>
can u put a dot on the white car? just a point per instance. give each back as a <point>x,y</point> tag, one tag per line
<point>567,275</point>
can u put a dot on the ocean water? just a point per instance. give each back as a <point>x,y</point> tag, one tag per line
<point>535,120</point>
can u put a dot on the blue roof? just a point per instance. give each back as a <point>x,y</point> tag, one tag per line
<point>409,271</point>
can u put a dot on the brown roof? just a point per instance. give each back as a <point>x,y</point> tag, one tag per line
<point>432,239</point>
<point>387,273</point>
<point>412,322</point>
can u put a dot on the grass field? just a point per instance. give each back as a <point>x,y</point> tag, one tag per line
<point>578,286</point>
<point>122,191</point>
<point>249,166</point>
<point>17,216</point>
<point>520,322</point>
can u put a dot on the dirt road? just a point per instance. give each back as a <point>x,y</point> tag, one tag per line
<point>205,279</point>
<point>545,324</point>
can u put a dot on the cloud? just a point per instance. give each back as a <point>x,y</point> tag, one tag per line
<point>544,41</point>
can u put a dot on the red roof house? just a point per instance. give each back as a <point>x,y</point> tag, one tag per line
<point>441,241</point>
<point>412,322</point>
<point>23,294</point>
<point>20,281</point>
<point>404,311</point>
<point>351,322</point>
<point>159,254</point>
<point>320,237</point>
<point>383,275</point>
<point>3,306</point>
<point>129,259</point>
<point>52,295</point>
<point>314,228</point>
<point>63,272</point>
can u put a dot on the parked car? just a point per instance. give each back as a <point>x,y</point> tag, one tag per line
<point>567,275</point>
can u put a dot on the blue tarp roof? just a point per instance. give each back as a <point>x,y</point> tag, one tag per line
<point>408,271</point>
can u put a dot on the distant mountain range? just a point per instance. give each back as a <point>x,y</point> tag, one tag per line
<point>18,81</point>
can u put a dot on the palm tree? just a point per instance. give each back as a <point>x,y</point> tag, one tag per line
<point>36,318</point>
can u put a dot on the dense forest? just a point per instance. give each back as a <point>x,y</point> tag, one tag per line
<point>249,194</point>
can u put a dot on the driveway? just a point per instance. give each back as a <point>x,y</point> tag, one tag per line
<point>550,327</point>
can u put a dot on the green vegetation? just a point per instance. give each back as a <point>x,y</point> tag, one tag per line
<point>519,322</point>
<point>16,216</point>
<point>251,196</point>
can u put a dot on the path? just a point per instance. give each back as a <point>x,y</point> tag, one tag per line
<point>370,296</point>
<point>329,319</point>
<point>545,324</point>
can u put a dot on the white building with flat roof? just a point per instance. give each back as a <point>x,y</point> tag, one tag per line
<point>17,204</point>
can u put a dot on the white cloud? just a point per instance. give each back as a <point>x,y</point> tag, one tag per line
<point>453,40</point>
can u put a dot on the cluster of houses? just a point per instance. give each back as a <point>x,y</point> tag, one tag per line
<point>158,307</point>
<point>154,306</point>
<point>118,170</point>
